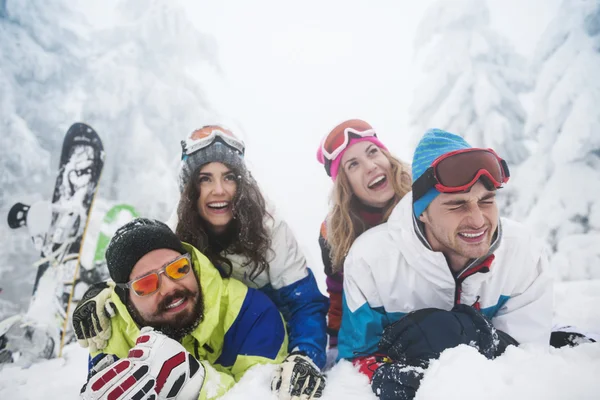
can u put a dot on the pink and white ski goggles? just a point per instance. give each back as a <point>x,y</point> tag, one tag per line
<point>340,138</point>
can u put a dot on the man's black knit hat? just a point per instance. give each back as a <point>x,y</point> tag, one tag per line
<point>134,240</point>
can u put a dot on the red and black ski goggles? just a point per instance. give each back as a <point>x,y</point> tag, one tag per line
<point>458,170</point>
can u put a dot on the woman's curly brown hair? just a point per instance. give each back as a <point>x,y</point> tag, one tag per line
<point>246,234</point>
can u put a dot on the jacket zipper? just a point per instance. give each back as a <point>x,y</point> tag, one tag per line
<point>483,267</point>
<point>457,291</point>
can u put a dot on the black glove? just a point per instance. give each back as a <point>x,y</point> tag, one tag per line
<point>568,336</point>
<point>91,317</point>
<point>504,340</point>
<point>396,381</point>
<point>297,377</point>
<point>422,335</point>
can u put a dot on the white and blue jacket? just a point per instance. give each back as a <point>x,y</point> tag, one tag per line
<point>291,285</point>
<point>391,271</point>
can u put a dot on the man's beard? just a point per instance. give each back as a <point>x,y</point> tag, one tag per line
<point>180,326</point>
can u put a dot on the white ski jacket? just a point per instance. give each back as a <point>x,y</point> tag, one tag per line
<point>390,272</point>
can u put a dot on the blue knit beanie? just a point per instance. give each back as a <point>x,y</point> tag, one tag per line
<point>433,144</point>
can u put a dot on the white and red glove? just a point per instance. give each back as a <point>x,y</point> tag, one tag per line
<point>156,368</point>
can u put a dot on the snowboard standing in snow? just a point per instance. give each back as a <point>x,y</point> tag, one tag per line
<point>59,237</point>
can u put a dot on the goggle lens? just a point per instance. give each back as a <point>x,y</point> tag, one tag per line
<point>460,169</point>
<point>208,130</point>
<point>178,269</point>
<point>146,285</point>
<point>333,142</point>
<point>339,137</point>
<point>149,284</point>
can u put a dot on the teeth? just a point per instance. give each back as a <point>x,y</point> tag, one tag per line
<point>176,304</point>
<point>218,205</point>
<point>472,235</point>
<point>376,180</point>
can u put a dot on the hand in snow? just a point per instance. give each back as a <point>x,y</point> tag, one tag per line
<point>396,381</point>
<point>91,318</point>
<point>157,368</point>
<point>422,335</point>
<point>297,377</point>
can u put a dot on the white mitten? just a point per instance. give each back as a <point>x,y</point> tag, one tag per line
<point>157,368</point>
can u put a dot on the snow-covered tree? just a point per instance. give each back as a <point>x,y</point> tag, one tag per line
<point>558,188</point>
<point>128,68</point>
<point>471,78</point>
<point>34,62</point>
<point>134,81</point>
<point>139,90</point>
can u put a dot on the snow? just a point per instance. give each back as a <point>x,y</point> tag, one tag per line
<point>561,179</point>
<point>461,373</point>
<point>119,69</point>
<point>60,378</point>
<point>520,373</point>
<point>576,302</point>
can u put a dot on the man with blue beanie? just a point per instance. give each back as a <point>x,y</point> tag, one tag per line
<point>444,270</point>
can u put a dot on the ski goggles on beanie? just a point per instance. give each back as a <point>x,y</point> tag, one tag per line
<point>150,283</point>
<point>458,170</point>
<point>340,138</point>
<point>205,136</point>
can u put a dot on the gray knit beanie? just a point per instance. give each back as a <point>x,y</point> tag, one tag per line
<point>217,151</point>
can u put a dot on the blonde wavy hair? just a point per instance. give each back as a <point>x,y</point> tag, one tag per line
<point>344,224</point>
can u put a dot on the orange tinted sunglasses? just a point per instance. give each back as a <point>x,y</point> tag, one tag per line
<point>150,283</point>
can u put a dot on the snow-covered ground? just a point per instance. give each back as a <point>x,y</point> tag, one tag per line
<point>461,373</point>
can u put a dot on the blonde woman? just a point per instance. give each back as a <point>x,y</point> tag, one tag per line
<point>368,183</point>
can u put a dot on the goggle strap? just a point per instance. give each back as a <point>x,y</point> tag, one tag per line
<point>421,186</point>
<point>184,152</point>
<point>504,165</point>
<point>327,165</point>
<point>349,133</point>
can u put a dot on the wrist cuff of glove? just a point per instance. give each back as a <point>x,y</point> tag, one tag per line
<point>298,353</point>
<point>367,365</point>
